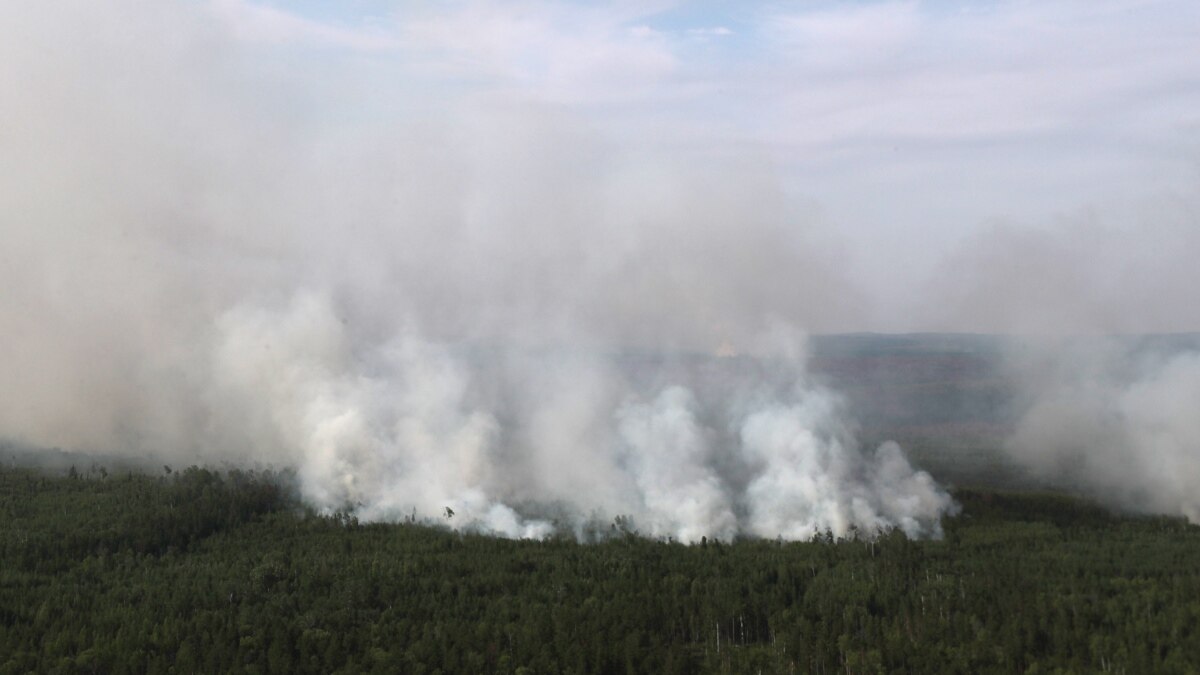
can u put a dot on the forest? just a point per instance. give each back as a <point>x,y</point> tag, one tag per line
<point>207,571</point>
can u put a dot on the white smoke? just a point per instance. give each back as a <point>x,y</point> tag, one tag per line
<point>812,477</point>
<point>212,253</point>
<point>670,459</point>
<point>381,434</point>
<point>1119,423</point>
<point>407,427</point>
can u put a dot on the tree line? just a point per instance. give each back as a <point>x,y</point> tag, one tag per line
<point>204,571</point>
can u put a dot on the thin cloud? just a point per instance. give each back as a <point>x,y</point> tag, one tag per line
<point>910,70</point>
<point>262,24</point>
<point>548,51</point>
<point>709,32</point>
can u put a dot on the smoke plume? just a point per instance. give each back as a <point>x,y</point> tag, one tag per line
<point>1097,408</point>
<point>526,442</point>
<point>467,313</point>
<point>1115,419</point>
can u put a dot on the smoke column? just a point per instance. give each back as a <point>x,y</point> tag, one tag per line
<point>471,310</point>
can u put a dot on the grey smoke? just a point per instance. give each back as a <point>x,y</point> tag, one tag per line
<point>1116,420</point>
<point>1118,268</point>
<point>1097,408</point>
<point>419,311</point>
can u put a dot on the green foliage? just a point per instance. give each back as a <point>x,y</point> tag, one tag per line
<point>200,571</point>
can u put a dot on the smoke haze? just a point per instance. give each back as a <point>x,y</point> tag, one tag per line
<point>1112,417</point>
<point>233,235</point>
<point>421,318</point>
<point>1115,419</point>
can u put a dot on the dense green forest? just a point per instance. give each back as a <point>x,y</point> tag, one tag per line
<point>205,571</point>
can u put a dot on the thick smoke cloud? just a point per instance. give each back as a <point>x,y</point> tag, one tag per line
<point>668,456</point>
<point>551,440</point>
<point>1115,419</point>
<point>1110,416</point>
<point>461,314</point>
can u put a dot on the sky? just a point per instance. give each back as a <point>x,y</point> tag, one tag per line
<point>1000,166</point>
<point>909,129</point>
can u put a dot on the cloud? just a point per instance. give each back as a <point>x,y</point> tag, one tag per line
<point>551,51</point>
<point>709,32</point>
<point>912,70</point>
<point>264,24</point>
<point>846,37</point>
